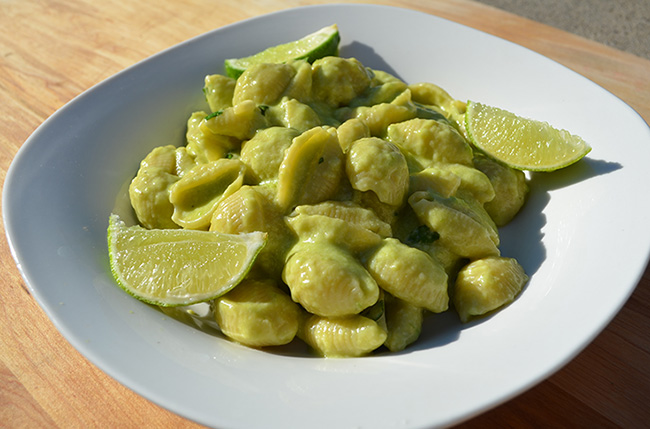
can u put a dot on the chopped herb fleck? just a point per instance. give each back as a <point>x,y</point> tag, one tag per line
<point>214,114</point>
<point>321,160</point>
<point>422,235</point>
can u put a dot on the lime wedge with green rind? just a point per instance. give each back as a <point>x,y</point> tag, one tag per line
<point>173,267</point>
<point>322,43</point>
<point>521,143</point>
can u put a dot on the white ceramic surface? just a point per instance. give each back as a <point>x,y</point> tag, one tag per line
<point>583,236</point>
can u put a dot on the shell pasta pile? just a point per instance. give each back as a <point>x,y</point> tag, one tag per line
<point>379,213</point>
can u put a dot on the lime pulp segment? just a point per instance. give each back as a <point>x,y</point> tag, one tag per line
<point>521,143</point>
<point>172,267</point>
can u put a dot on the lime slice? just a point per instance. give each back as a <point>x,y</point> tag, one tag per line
<point>171,267</point>
<point>523,144</point>
<point>322,43</point>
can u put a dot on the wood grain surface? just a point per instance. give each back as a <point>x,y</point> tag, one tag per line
<point>50,51</point>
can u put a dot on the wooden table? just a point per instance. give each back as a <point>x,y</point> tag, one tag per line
<point>52,51</point>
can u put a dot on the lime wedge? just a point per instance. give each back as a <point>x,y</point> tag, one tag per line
<point>322,43</point>
<point>171,267</point>
<point>521,143</point>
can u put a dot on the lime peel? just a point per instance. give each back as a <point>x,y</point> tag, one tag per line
<point>174,267</point>
<point>319,44</point>
<point>521,143</point>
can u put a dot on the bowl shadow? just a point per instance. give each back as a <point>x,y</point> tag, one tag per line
<point>368,56</point>
<point>522,239</point>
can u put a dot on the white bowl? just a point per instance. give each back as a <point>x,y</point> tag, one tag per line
<point>583,235</point>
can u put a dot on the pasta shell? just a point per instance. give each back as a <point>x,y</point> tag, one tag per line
<point>311,170</point>
<point>380,77</point>
<point>403,323</point>
<point>487,284</point>
<point>473,182</point>
<point>240,121</point>
<point>250,209</point>
<point>510,189</point>
<point>347,235</point>
<point>242,211</point>
<point>464,227</point>
<point>219,90</point>
<point>431,141</point>
<point>257,314</point>
<point>204,145</point>
<point>382,93</point>
<point>349,212</point>
<point>435,179</point>
<point>149,189</point>
<point>409,274</point>
<point>291,113</point>
<point>373,164</point>
<point>454,179</point>
<point>149,195</point>
<point>432,95</point>
<point>347,75</point>
<point>184,161</point>
<point>264,153</point>
<point>263,83</point>
<point>163,157</point>
<point>342,337</point>
<point>379,117</point>
<point>328,281</point>
<point>350,131</point>
<point>196,195</point>
<point>301,83</point>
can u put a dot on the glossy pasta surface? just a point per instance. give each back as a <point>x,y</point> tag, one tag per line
<point>372,198</point>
